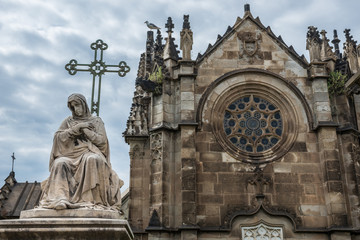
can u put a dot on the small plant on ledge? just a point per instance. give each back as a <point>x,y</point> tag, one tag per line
<point>157,77</point>
<point>336,84</point>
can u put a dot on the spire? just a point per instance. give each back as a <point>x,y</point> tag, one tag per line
<point>349,38</point>
<point>170,51</point>
<point>158,47</point>
<point>326,50</point>
<point>11,180</point>
<point>336,42</point>
<point>350,52</point>
<point>313,43</point>
<point>12,167</point>
<point>169,25</point>
<point>158,38</point>
<point>149,52</point>
<point>186,39</point>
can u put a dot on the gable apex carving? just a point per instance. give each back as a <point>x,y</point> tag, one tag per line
<point>238,28</point>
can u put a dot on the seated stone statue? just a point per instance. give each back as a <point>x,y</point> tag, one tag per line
<point>80,169</point>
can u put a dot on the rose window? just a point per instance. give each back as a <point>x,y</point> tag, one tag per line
<point>253,124</point>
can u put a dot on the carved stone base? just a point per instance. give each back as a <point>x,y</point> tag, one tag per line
<point>65,228</point>
<point>70,213</point>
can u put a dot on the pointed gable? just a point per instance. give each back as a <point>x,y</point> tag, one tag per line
<point>249,44</point>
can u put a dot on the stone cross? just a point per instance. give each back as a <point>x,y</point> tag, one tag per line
<point>97,68</point>
<point>13,159</point>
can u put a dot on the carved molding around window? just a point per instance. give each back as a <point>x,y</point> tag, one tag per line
<point>254,122</point>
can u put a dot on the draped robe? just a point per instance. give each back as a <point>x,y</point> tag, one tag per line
<point>80,169</point>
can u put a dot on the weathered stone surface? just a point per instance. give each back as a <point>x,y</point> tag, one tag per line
<point>80,163</point>
<point>65,228</point>
<point>70,213</point>
<point>217,174</point>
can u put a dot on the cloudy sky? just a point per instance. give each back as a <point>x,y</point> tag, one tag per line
<point>39,37</point>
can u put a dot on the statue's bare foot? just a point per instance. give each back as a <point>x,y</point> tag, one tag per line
<point>60,206</point>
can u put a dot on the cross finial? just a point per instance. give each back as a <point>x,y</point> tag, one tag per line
<point>13,159</point>
<point>97,68</point>
<point>169,25</point>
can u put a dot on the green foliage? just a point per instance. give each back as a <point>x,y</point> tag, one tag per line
<point>336,83</point>
<point>157,76</point>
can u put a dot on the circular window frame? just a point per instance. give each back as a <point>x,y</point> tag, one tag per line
<point>269,93</point>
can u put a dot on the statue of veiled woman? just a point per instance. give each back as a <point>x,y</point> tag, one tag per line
<point>80,169</point>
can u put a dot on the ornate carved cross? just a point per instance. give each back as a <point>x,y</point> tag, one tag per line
<point>97,68</point>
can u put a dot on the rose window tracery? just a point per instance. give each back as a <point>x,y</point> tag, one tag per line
<point>253,124</point>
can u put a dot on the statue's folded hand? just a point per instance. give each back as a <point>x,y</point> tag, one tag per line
<point>81,126</point>
<point>89,134</point>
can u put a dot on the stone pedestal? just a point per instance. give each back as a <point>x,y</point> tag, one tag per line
<point>66,224</point>
<point>70,213</point>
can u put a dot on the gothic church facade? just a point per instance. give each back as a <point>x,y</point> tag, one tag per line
<point>248,141</point>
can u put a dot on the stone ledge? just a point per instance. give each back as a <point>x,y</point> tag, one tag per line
<point>65,228</point>
<point>70,213</point>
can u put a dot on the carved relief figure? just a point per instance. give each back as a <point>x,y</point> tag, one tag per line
<point>80,169</point>
<point>250,46</point>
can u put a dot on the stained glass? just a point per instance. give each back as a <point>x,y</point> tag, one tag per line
<point>253,124</point>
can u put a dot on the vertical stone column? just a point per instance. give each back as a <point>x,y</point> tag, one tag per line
<point>160,179</point>
<point>186,40</point>
<point>333,179</point>
<point>157,195</point>
<point>328,147</point>
<point>139,182</point>
<point>188,175</point>
<point>187,166</point>
<point>349,151</point>
<point>321,102</point>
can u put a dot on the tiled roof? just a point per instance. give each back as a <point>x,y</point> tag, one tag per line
<point>15,197</point>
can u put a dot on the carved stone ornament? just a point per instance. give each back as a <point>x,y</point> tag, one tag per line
<point>250,46</point>
<point>186,40</point>
<point>156,146</point>
<point>313,43</point>
<point>137,124</point>
<point>350,52</point>
<point>254,124</point>
<point>356,154</point>
<point>259,180</point>
<point>326,50</point>
<point>262,231</point>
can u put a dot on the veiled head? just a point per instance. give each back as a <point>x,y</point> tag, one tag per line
<point>78,106</point>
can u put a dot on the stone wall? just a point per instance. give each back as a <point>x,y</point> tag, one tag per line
<point>189,180</point>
